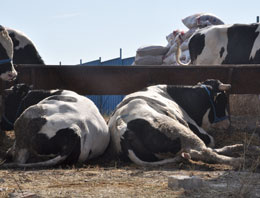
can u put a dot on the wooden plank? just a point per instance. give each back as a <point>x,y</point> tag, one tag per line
<point>102,80</point>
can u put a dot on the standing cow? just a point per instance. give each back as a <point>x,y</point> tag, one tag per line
<point>164,123</point>
<point>7,71</point>
<point>25,52</point>
<point>224,44</point>
<point>64,127</point>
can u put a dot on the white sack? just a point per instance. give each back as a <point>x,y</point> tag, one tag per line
<point>208,19</point>
<point>152,50</point>
<point>170,60</point>
<point>185,45</point>
<point>172,49</point>
<point>201,20</point>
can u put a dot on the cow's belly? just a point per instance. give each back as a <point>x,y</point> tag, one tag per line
<point>139,109</point>
<point>135,109</point>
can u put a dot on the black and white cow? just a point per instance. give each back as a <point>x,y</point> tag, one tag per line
<point>164,123</point>
<point>224,44</point>
<point>62,128</point>
<point>25,52</point>
<point>7,71</point>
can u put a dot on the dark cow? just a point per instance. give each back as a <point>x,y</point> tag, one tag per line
<point>224,44</point>
<point>25,52</point>
<point>162,124</point>
<point>17,99</point>
<point>62,128</point>
<point>7,71</point>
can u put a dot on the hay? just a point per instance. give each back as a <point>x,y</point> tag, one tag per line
<point>246,104</point>
<point>117,179</point>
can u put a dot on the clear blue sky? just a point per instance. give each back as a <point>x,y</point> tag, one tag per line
<point>67,31</point>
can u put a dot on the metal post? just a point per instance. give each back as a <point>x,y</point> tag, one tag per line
<point>120,53</point>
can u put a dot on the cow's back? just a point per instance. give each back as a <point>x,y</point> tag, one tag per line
<point>25,51</point>
<point>226,44</point>
<point>206,45</point>
<point>64,111</point>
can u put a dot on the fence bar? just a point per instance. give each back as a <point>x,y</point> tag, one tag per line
<point>106,80</point>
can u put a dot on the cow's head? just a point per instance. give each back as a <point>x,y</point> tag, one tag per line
<point>217,115</point>
<point>7,71</point>
<point>12,104</point>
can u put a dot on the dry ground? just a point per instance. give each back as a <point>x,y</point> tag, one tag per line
<point>100,178</point>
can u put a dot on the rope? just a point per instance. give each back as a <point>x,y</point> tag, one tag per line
<point>216,118</point>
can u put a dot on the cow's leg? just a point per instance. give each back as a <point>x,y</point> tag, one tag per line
<point>66,142</point>
<point>144,143</point>
<point>132,145</point>
<point>208,155</point>
<point>231,149</point>
<point>138,161</point>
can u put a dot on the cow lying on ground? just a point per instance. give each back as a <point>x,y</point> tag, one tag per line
<point>62,128</point>
<point>7,71</point>
<point>164,123</point>
<point>25,52</point>
<point>228,44</point>
<point>17,99</point>
<point>224,44</point>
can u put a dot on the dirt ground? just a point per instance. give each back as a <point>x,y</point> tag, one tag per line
<point>102,178</point>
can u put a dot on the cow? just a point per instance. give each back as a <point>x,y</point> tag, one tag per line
<point>7,71</point>
<point>224,44</point>
<point>165,123</point>
<point>63,128</point>
<point>25,52</point>
<point>18,98</point>
<point>228,44</point>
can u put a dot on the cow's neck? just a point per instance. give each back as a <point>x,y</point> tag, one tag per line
<point>194,100</point>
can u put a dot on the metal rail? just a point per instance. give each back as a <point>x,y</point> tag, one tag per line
<point>106,80</point>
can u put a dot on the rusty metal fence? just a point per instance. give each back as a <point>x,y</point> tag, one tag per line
<point>120,80</point>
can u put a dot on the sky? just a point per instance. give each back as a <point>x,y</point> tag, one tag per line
<point>66,31</point>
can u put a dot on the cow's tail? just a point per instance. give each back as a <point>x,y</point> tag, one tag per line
<point>140,162</point>
<point>49,163</point>
<point>178,55</point>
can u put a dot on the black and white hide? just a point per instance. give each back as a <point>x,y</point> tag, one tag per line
<point>25,52</point>
<point>7,71</point>
<point>163,123</point>
<point>224,44</point>
<point>64,128</point>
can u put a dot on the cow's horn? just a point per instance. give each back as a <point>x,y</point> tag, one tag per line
<point>224,87</point>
